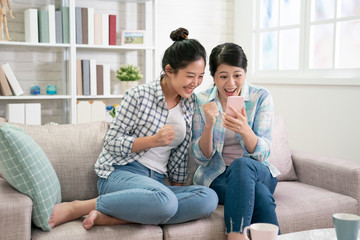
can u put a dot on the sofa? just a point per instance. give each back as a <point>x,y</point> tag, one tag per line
<point>311,188</point>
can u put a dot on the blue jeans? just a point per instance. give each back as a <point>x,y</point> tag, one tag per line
<point>245,189</point>
<point>137,194</point>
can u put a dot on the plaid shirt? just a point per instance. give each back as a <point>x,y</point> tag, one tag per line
<point>142,112</point>
<point>260,114</point>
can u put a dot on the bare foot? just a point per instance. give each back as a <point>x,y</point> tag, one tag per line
<point>89,221</point>
<point>96,218</point>
<point>67,211</point>
<point>61,213</point>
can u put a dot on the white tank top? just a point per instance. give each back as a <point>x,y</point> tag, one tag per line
<point>157,158</point>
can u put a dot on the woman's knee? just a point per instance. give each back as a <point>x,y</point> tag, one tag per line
<point>242,163</point>
<point>208,201</point>
<point>212,200</point>
<point>241,167</point>
<point>167,207</point>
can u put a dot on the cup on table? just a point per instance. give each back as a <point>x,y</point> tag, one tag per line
<point>262,231</point>
<point>346,226</point>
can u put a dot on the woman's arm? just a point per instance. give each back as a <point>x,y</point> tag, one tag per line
<point>206,140</point>
<point>257,137</point>
<point>202,132</point>
<point>162,138</point>
<point>241,126</point>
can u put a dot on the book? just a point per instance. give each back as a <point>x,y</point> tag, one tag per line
<point>83,112</point>
<point>99,80</point>
<point>91,26</point>
<point>105,29</point>
<point>85,64</point>
<point>79,85</point>
<point>78,25</point>
<point>31,25</point>
<point>13,82</point>
<point>58,27</point>
<point>93,83</point>
<point>97,29</point>
<point>4,84</point>
<point>112,29</point>
<point>15,112</point>
<point>84,28</point>
<point>98,110</point>
<point>51,19</point>
<point>43,25</point>
<point>106,78</point>
<point>33,113</point>
<point>65,24</point>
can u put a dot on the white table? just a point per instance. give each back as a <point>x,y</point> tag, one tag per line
<point>316,234</point>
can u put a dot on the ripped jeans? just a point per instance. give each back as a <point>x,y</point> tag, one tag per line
<point>137,194</point>
<point>245,189</point>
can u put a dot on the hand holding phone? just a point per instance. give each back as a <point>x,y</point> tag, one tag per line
<point>236,102</point>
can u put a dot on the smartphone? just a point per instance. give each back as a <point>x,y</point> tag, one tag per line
<point>236,102</point>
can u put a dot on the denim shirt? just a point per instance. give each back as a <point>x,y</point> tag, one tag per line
<point>142,112</point>
<point>260,113</point>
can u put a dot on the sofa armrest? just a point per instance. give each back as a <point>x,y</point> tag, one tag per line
<point>15,213</point>
<point>336,175</point>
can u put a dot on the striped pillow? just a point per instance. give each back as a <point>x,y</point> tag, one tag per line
<point>26,167</point>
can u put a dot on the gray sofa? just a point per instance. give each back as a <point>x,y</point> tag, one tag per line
<point>311,188</point>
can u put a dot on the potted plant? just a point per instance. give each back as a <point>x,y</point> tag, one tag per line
<point>129,75</point>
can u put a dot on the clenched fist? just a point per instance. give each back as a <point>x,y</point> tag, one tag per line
<point>165,135</point>
<point>211,112</point>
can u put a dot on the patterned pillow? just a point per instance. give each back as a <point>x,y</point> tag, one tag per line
<point>26,167</point>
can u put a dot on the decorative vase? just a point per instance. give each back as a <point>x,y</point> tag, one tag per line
<point>125,85</point>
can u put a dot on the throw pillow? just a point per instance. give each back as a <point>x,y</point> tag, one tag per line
<point>280,155</point>
<point>26,167</point>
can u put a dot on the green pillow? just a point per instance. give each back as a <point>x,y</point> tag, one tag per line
<point>26,167</point>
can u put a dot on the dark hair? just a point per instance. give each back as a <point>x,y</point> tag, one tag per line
<point>183,51</point>
<point>228,53</point>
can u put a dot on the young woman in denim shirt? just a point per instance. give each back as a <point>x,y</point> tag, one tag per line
<point>147,142</point>
<point>232,152</point>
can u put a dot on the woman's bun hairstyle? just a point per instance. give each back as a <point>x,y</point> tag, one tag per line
<point>179,34</point>
<point>182,51</point>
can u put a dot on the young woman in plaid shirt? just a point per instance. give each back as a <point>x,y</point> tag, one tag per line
<point>147,142</point>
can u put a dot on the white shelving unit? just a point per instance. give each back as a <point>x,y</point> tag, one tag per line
<point>29,61</point>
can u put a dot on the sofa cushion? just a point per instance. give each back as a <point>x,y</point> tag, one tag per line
<point>73,150</point>
<point>303,207</point>
<point>74,231</point>
<point>280,155</point>
<point>210,228</point>
<point>26,167</point>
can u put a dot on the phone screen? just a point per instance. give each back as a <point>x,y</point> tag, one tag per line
<point>236,102</point>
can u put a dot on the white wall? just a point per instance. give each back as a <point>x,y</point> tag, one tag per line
<point>321,119</point>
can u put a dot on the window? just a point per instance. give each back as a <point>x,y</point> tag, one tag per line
<point>307,36</point>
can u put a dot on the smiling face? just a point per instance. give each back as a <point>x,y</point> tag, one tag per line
<point>187,79</point>
<point>229,81</point>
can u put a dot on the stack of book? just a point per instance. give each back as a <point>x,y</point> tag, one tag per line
<point>47,25</point>
<point>9,84</point>
<point>50,25</point>
<point>24,113</point>
<point>92,79</point>
<point>90,111</point>
<point>94,28</point>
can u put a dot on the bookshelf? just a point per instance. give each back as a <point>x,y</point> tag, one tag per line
<point>55,64</point>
